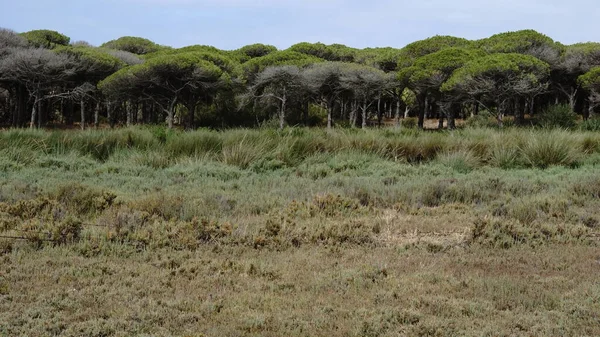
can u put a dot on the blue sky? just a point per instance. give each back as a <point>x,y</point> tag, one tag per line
<point>230,24</point>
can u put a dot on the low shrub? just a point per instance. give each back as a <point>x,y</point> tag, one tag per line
<point>500,233</point>
<point>482,120</point>
<point>83,199</point>
<point>463,161</point>
<point>542,150</point>
<point>410,123</point>
<point>557,116</point>
<point>592,124</point>
<point>244,152</point>
<point>330,205</point>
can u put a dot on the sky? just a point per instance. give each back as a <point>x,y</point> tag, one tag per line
<point>230,24</point>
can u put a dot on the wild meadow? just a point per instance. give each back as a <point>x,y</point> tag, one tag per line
<point>299,232</point>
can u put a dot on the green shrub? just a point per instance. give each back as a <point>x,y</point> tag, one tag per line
<point>244,152</point>
<point>194,144</point>
<point>330,205</point>
<point>410,123</point>
<point>500,233</point>
<point>543,150</point>
<point>482,120</point>
<point>67,231</point>
<point>83,199</point>
<point>592,124</point>
<point>505,156</point>
<point>463,161</point>
<point>557,116</point>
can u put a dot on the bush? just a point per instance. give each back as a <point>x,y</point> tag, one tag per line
<point>551,149</point>
<point>483,120</point>
<point>505,157</point>
<point>557,116</point>
<point>67,231</point>
<point>590,125</point>
<point>83,199</point>
<point>500,233</point>
<point>244,152</point>
<point>462,161</point>
<point>410,123</point>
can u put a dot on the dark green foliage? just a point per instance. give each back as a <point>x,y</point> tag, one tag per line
<point>557,116</point>
<point>257,65</point>
<point>334,52</point>
<point>592,124</point>
<point>591,79</point>
<point>135,45</point>
<point>523,41</point>
<point>513,75</point>
<point>256,50</point>
<point>46,38</point>
<point>410,53</point>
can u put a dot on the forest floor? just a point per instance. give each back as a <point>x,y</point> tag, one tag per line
<point>144,232</point>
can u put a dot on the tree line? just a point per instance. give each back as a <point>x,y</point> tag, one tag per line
<point>47,80</point>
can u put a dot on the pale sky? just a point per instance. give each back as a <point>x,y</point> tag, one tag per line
<point>230,24</point>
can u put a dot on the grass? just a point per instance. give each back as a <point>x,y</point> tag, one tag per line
<point>143,232</point>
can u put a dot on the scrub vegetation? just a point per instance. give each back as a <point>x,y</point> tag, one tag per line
<point>148,231</point>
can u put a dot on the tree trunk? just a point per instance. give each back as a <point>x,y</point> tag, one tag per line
<point>397,117</point>
<point>422,103</point>
<point>572,100</point>
<point>330,114</point>
<point>109,114</point>
<point>39,113</point>
<point>68,114</point>
<point>452,116</point>
<point>500,115</point>
<point>282,113</point>
<point>191,115</point>
<point>129,113</point>
<point>379,112</point>
<point>354,114</point>
<point>82,102</point>
<point>590,113</point>
<point>140,113</point>
<point>171,113</point>
<point>364,114</point>
<point>34,111</point>
<point>306,111</point>
<point>97,115</point>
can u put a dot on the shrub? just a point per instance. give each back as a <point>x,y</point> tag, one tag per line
<point>67,231</point>
<point>592,124</point>
<point>483,120</point>
<point>557,116</point>
<point>194,144</point>
<point>549,149</point>
<point>331,205</point>
<point>505,157</point>
<point>347,232</point>
<point>83,199</point>
<point>500,233</point>
<point>410,123</point>
<point>463,161</point>
<point>243,153</point>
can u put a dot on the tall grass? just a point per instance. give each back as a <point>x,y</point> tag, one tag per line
<point>468,148</point>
